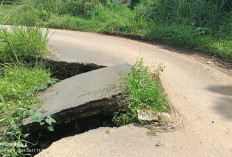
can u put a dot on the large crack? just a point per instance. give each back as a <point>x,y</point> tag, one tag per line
<point>74,120</point>
<point>62,70</point>
<point>44,138</point>
<point>104,107</point>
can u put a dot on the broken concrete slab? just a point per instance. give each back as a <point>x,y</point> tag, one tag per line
<point>83,95</point>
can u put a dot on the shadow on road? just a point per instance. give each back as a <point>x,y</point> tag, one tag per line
<point>224,103</point>
<point>224,90</point>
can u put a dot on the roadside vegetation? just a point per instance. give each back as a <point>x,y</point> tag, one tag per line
<point>144,92</point>
<point>19,86</point>
<point>20,44</point>
<point>203,25</point>
<point>20,81</point>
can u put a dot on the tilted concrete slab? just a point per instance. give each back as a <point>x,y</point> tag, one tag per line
<point>83,95</point>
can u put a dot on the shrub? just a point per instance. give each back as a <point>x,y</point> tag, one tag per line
<point>201,13</point>
<point>80,8</point>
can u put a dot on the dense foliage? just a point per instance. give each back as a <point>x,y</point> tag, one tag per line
<point>202,25</point>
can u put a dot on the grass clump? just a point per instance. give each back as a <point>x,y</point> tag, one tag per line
<point>143,92</point>
<point>19,44</point>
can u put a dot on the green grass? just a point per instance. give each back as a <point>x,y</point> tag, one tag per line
<point>7,11</point>
<point>191,38</point>
<point>19,86</point>
<point>20,44</point>
<point>143,92</point>
<point>196,25</point>
<point>20,82</point>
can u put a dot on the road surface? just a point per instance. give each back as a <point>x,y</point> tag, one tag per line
<point>201,92</point>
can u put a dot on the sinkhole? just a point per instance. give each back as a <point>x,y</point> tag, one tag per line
<point>78,119</point>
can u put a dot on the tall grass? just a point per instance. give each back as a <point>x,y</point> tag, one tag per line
<point>19,83</point>
<point>9,1</point>
<point>202,25</point>
<point>212,15</point>
<point>75,8</point>
<point>20,43</point>
<point>18,90</point>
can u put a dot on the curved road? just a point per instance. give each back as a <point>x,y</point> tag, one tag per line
<point>200,92</point>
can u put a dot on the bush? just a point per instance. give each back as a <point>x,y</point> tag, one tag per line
<point>80,8</point>
<point>201,13</point>
<point>202,25</point>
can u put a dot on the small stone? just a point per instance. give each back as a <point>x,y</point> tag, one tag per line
<point>230,70</point>
<point>107,131</point>
<point>209,62</point>
<point>147,115</point>
<point>165,116</point>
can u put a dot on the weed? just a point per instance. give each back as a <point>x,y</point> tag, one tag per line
<point>143,92</point>
<point>38,117</point>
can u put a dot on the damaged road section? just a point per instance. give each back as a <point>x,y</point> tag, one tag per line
<point>63,70</point>
<point>82,96</point>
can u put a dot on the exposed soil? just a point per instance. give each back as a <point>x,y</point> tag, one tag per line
<point>62,70</point>
<point>43,138</point>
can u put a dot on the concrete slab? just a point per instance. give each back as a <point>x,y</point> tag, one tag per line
<point>83,95</point>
